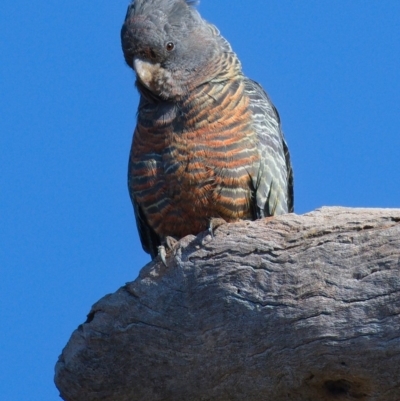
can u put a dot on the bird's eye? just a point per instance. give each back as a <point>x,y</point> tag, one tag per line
<point>170,46</point>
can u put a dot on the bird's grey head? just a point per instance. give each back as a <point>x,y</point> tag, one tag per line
<point>168,45</point>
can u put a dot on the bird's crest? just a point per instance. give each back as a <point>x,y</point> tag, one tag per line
<point>176,11</point>
<point>145,5</point>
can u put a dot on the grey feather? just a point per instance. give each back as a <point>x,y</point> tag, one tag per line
<point>274,181</point>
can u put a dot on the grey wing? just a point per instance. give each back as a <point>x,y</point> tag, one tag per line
<point>273,183</point>
<point>148,237</point>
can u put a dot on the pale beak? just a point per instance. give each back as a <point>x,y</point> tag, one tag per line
<point>145,70</point>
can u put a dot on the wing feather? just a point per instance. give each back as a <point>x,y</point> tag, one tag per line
<point>273,184</point>
<point>149,239</point>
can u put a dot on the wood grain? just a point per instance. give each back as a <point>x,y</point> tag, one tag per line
<point>303,308</point>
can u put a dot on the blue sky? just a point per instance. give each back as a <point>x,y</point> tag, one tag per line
<point>68,107</point>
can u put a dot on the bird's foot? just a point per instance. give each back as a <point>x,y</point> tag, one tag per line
<point>169,244</point>
<point>215,222</point>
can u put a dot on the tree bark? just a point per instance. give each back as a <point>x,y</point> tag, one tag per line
<point>303,308</point>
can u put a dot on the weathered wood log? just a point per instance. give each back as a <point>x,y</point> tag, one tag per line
<point>303,308</point>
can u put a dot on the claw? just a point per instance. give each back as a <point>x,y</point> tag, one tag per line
<point>162,254</point>
<point>171,242</point>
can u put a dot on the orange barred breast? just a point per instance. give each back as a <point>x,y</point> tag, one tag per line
<point>195,162</point>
